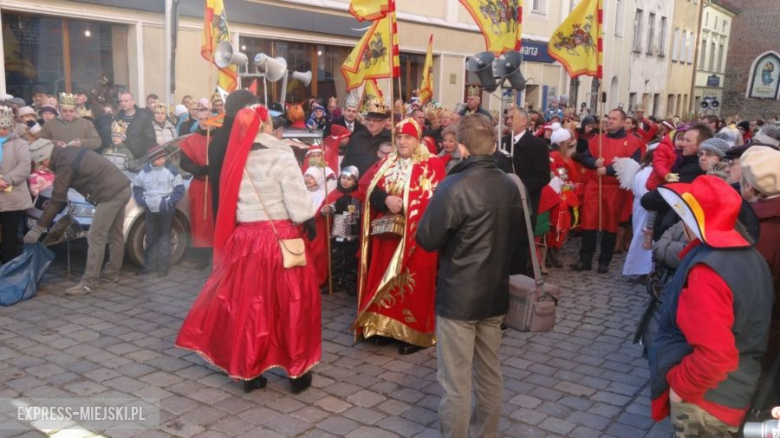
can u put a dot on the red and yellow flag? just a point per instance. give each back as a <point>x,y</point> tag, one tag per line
<point>426,89</point>
<point>369,9</point>
<point>577,42</point>
<point>376,54</point>
<point>215,30</point>
<point>500,22</point>
<point>371,91</point>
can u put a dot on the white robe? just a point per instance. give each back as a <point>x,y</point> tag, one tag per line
<point>639,261</point>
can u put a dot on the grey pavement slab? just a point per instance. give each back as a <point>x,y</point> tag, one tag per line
<point>583,379</point>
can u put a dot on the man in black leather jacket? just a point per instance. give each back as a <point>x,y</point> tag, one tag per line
<point>475,221</point>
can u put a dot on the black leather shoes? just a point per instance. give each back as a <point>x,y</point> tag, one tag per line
<point>408,349</point>
<point>579,267</point>
<point>258,382</point>
<point>144,271</point>
<point>301,383</point>
<point>381,340</point>
<point>603,268</point>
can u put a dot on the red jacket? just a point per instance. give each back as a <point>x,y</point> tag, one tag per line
<point>650,133</point>
<point>663,159</point>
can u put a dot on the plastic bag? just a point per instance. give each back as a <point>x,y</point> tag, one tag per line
<point>19,278</point>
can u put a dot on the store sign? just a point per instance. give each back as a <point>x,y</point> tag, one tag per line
<point>713,81</point>
<point>536,52</point>
<point>765,77</point>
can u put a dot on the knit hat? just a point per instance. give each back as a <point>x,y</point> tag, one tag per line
<point>179,110</point>
<point>48,108</point>
<point>38,89</point>
<point>730,135</point>
<point>668,125</point>
<point>25,111</point>
<point>237,100</point>
<point>745,125</point>
<point>715,145</point>
<point>203,102</point>
<point>761,169</point>
<point>768,135</point>
<point>155,152</point>
<point>18,101</point>
<point>40,150</point>
<point>560,136</point>
<point>316,173</point>
<point>588,120</point>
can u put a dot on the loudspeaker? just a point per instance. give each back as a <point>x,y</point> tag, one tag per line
<point>274,68</point>
<point>705,104</point>
<point>303,77</point>
<point>480,65</point>
<point>714,104</point>
<point>226,55</point>
<point>507,66</point>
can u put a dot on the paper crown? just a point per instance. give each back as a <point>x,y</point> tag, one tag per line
<point>217,97</point>
<point>119,128</point>
<point>6,117</point>
<point>67,99</point>
<point>83,111</point>
<point>352,100</point>
<point>474,91</point>
<point>160,108</point>
<point>333,100</point>
<point>377,107</point>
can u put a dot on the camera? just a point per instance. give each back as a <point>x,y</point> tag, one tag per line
<point>767,429</point>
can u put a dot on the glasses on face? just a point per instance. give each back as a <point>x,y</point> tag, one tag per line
<point>374,121</point>
<point>706,153</point>
<point>67,111</point>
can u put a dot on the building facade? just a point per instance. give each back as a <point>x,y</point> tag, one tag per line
<point>713,52</point>
<point>650,56</point>
<point>682,52</point>
<point>97,45</point>
<point>752,74</point>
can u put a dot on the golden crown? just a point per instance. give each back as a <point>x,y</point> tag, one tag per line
<point>82,111</point>
<point>216,97</point>
<point>333,100</point>
<point>6,117</point>
<point>67,99</point>
<point>377,105</point>
<point>160,108</point>
<point>119,127</point>
<point>352,100</point>
<point>474,91</point>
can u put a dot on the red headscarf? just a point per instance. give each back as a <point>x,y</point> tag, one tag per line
<point>331,143</point>
<point>242,136</point>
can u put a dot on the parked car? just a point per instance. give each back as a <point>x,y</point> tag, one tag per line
<point>134,227</point>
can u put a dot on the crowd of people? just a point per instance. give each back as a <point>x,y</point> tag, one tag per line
<point>397,204</point>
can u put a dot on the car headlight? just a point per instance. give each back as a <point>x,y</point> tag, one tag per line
<point>83,210</point>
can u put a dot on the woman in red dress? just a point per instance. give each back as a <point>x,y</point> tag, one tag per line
<point>397,285</point>
<point>253,314</point>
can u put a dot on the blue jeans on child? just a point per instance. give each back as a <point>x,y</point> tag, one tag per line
<point>158,241</point>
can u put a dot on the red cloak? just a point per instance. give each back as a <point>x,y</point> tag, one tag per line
<point>201,230</point>
<point>396,296</point>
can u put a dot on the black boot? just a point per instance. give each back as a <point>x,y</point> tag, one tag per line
<point>587,249</point>
<point>144,271</point>
<point>301,383</point>
<point>607,250</point>
<point>258,382</point>
<point>408,348</point>
<point>381,340</point>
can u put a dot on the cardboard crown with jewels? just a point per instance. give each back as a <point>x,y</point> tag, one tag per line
<point>6,117</point>
<point>119,129</point>
<point>352,100</point>
<point>160,108</point>
<point>474,91</point>
<point>67,99</point>
<point>377,108</point>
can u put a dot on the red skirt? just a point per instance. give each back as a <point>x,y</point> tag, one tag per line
<point>253,314</point>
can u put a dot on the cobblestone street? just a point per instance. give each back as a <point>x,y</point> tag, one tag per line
<point>584,379</point>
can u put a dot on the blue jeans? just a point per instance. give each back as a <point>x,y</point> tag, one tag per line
<point>158,240</point>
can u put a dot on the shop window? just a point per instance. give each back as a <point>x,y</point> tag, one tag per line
<point>63,55</point>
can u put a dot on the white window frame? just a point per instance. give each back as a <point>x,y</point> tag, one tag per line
<point>676,45</point>
<point>618,18</point>
<point>541,7</point>
<point>650,33</point>
<point>662,38</point>
<point>638,24</point>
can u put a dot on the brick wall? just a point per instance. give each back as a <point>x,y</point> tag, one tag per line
<point>753,32</point>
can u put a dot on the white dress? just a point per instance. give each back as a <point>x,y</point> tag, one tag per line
<point>639,261</point>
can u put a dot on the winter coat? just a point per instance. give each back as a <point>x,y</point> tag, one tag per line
<point>58,130</point>
<point>14,169</point>
<point>361,150</point>
<point>474,215</point>
<point>768,212</point>
<point>96,178</point>
<point>164,133</point>
<point>140,133</point>
<point>103,126</point>
<point>667,249</point>
<point>158,189</point>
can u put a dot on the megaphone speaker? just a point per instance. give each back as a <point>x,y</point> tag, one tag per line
<point>480,65</point>
<point>705,104</point>
<point>714,104</point>
<point>226,55</point>
<point>507,66</point>
<point>305,78</point>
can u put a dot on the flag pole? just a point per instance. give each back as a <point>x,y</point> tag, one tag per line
<point>327,226</point>
<point>601,98</point>
<point>208,140</point>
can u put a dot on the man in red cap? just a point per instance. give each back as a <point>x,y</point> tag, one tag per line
<point>705,361</point>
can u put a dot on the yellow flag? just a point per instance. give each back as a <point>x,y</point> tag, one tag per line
<point>215,30</point>
<point>370,92</point>
<point>374,55</point>
<point>499,21</point>
<point>426,89</point>
<point>577,42</point>
<point>369,9</point>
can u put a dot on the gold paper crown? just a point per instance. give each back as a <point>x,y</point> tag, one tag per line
<point>160,108</point>
<point>474,91</point>
<point>82,111</point>
<point>216,97</point>
<point>67,99</point>
<point>446,112</point>
<point>119,127</point>
<point>6,117</point>
<point>377,105</point>
<point>333,100</point>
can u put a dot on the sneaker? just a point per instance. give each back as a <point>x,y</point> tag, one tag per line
<point>80,289</point>
<point>110,278</point>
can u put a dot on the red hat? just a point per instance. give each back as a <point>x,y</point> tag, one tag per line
<point>313,149</point>
<point>430,143</point>
<point>409,126</point>
<point>709,207</point>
